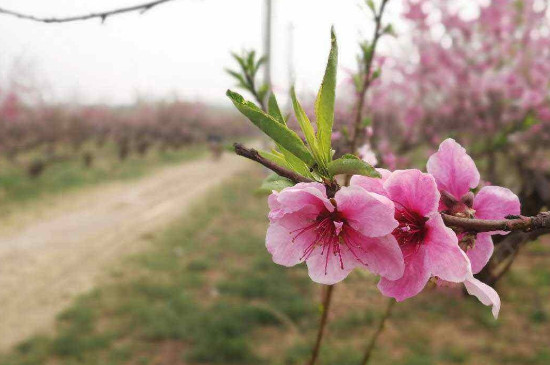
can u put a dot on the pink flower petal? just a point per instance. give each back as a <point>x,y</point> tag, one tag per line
<point>369,213</point>
<point>482,251</point>
<point>329,272</point>
<point>280,245</point>
<point>304,196</point>
<point>372,184</point>
<point>414,278</point>
<point>381,256</point>
<point>413,190</point>
<point>483,292</point>
<point>444,258</point>
<point>275,211</point>
<point>495,202</point>
<point>455,172</point>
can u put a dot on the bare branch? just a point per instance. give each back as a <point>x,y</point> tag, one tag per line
<point>142,8</point>
<point>254,155</point>
<point>368,79</point>
<point>520,223</point>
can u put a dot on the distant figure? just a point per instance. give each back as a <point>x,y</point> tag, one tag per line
<point>215,145</point>
<point>88,159</point>
<point>36,168</point>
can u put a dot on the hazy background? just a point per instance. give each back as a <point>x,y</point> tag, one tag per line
<point>178,48</point>
<point>130,233</point>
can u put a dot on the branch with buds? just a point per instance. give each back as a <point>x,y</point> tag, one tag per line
<point>142,8</point>
<point>512,223</point>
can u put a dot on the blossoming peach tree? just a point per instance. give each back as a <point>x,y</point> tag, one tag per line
<point>409,227</point>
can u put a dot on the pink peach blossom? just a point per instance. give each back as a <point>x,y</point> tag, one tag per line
<point>456,173</point>
<point>430,249</point>
<point>333,236</point>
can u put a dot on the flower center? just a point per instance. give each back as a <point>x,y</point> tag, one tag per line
<point>411,229</point>
<point>331,233</point>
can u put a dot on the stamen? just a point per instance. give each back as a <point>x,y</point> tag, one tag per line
<point>329,229</point>
<point>411,229</point>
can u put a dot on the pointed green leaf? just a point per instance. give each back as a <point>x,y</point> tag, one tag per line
<point>274,182</point>
<point>324,104</point>
<point>240,60</point>
<point>274,110</point>
<point>294,162</point>
<point>370,4</point>
<point>250,60</point>
<point>277,131</point>
<point>277,158</point>
<point>352,165</point>
<point>389,30</point>
<point>262,92</point>
<point>304,122</point>
<point>237,76</point>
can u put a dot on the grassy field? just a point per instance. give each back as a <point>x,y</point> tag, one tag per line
<point>206,292</point>
<point>16,187</point>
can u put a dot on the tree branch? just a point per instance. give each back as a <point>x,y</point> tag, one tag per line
<point>254,155</point>
<point>514,223</point>
<point>142,8</point>
<point>323,323</point>
<point>367,80</point>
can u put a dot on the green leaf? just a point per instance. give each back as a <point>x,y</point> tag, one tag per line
<point>237,76</point>
<point>277,131</point>
<point>352,165</point>
<point>294,162</point>
<point>275,157</point>
<point>260,62</point>
<point>287,160</point>
<point>250,60</point>
<point>262,92</point>
<point>306,126</point>
<point>367,121</point>
<point>275,182</point>
<point>389,30</point>
<point>529,121</point>
<point>274,110</point>
<point>240,60</point>
<point>370,4</point>
<point>324,104</point>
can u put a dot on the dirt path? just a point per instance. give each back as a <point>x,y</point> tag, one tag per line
<point>62,249</point>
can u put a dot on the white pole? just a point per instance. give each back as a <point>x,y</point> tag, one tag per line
<point>268,12</point>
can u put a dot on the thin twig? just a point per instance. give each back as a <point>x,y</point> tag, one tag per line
<point>368,79</point>
<point>254,155</point>
<point>515,223</point>
<point>324,315</point>
<point>142,8</point>
<point>379,329</point>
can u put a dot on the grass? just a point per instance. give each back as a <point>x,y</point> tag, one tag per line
<point>17,187</point>
<point>207,293</point>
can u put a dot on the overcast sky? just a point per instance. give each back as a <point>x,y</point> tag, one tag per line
<point>179,48</point>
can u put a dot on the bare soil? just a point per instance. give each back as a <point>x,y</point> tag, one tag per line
<point>59,248</point>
